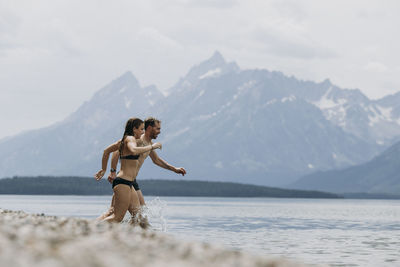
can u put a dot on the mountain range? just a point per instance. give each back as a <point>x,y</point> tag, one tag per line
<point>221,123</point>
<point>379,175</point>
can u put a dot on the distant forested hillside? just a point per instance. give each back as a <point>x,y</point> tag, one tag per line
<point>89,186</point>
<point>379,176</point>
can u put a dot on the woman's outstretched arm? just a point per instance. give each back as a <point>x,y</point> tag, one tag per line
<point>114,163</point>
<point>106,154</point>
<point>135,150</point>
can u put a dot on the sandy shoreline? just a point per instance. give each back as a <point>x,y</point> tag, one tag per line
<point>39,240</point>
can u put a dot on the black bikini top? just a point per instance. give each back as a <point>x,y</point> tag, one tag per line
<point>133,157</point>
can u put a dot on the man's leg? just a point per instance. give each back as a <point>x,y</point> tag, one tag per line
<point>143,221</point>
<point>141,198</point>
<point>108,212</point>
<point>134,207</point>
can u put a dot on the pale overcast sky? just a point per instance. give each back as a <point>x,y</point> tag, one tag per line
<point>54,54</point>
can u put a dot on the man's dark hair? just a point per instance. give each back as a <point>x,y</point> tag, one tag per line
<point>150,121</point>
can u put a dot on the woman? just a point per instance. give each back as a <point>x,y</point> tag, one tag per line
<point>125,197</point>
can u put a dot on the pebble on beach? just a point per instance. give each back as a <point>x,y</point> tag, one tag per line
<point>48,241</point>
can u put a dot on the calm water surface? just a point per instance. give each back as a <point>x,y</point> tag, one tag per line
<point>336,231</point>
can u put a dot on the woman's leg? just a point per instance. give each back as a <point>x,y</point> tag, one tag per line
<point>122,200</point>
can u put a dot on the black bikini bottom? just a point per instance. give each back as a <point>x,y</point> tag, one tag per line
<point>119,180</point>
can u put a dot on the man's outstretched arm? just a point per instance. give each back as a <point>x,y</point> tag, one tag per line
<point>163,164</point>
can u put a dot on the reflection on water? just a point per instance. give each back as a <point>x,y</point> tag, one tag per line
<point>338,232</point>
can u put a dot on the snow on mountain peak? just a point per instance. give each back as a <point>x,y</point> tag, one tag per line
<point>211,73</point>
<point>381,114</point>
<point>242,88</point>
<point>325,102</point>
<point>212,67</point>
<point>128,102</point>
<point>290,98</point>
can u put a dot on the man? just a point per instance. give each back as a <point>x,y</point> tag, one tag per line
<point>152,130</point>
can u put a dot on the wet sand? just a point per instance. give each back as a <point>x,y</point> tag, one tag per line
<point>48,241</point>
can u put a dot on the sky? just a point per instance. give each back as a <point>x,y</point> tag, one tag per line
<point>55,54</point>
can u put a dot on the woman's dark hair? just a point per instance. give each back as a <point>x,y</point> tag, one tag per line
<point>130,124</point>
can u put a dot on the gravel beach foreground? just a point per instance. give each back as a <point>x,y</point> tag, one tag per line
<point>49,241</point>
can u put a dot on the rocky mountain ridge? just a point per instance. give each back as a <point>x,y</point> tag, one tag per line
<point>221,123</point>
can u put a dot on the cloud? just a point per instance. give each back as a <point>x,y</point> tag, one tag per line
<point>220,4</point>
<point>60,40</point>
<point>287,38</point>
<point>9,24</point>
<point>73,47</point>
<point>290,9</point>
<point>153,35</point>
<point>34,36</point>
<point>375,66</point>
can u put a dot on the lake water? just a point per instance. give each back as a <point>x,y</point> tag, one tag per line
<point>338,232</point>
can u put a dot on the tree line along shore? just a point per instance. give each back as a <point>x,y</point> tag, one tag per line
<point>66,185</point>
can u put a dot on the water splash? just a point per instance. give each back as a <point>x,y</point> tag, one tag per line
<point>154,210</point>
